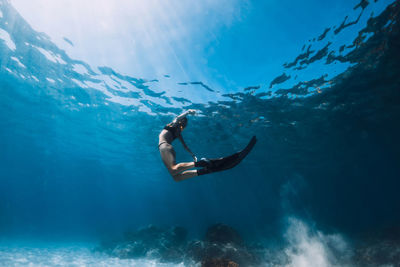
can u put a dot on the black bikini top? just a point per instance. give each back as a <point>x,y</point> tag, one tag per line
<point>174,129</point>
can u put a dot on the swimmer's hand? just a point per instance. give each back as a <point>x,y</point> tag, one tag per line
<point>188,112</point>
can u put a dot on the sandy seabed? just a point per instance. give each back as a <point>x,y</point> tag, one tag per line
<point>65,255</point>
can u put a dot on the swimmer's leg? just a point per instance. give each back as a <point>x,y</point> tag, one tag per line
<point>184,175</point>
<point>180,167</point>
<point>178,171</point>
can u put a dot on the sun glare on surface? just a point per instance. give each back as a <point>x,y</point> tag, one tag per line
<point>144,38</point>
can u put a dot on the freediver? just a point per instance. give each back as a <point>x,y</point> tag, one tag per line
<point>179,171</point>
<point>182,171</point>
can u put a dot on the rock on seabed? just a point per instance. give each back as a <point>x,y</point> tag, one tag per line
<point>222,246</point>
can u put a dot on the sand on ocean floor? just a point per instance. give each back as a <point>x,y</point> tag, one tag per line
<point>65,255</point>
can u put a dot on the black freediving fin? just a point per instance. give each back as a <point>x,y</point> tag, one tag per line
<point>226,163</point>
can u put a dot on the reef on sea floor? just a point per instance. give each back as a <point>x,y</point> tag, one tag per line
<point>380,248</point>
<point>223,246</point>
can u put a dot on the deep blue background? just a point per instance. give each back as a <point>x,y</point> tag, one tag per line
<point>71,171</point>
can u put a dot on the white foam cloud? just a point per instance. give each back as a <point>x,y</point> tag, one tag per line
<point>308,247</point>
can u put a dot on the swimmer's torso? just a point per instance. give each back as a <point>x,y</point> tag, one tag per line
<point>165,137</point>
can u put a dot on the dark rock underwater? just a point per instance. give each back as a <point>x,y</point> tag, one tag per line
<point>223,246</point>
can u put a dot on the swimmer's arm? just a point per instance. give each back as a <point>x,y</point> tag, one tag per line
<point>184,114</point>
<point>187,148</point>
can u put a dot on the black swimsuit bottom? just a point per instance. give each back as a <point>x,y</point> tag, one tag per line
<point>163,142</point>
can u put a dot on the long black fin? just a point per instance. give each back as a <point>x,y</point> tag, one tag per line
<point>226,163</point>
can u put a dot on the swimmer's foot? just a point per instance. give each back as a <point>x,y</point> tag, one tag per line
<point>203,163</point>
<point>203,171</point>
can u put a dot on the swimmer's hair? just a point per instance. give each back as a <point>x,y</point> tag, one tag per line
<point>183,122</point>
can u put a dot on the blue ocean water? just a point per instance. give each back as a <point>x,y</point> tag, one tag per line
<point>79,161</point>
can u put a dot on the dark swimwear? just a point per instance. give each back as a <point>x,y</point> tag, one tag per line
<point>173,133</point>
<point>174,129</point>
<point>167,151</point>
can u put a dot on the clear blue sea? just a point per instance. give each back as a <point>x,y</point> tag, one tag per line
<point>86,88</point>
